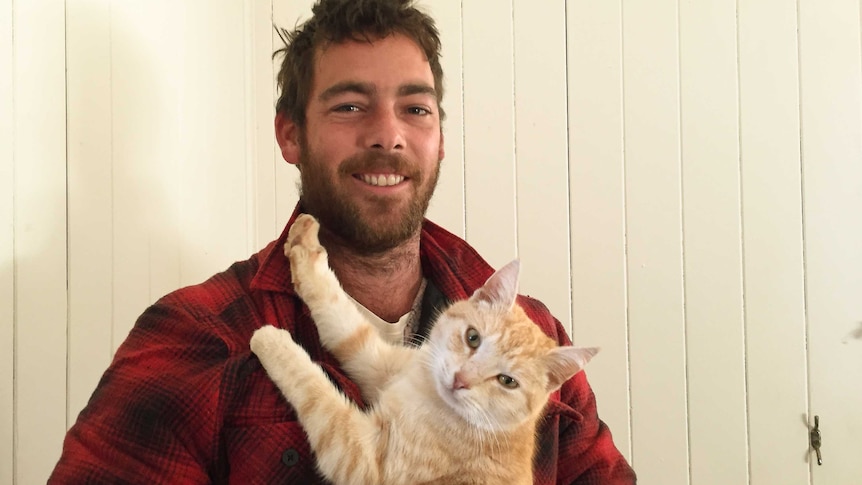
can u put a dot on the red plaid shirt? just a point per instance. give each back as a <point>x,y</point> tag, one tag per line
<point>185,400</point>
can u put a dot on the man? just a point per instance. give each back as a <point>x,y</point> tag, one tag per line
<point>185,401</point>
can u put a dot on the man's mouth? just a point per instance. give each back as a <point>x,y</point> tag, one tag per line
<point>381,180</point>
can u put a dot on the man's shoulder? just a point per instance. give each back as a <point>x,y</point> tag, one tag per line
<point>455,267</point>
<point>458,269</point>
<point>224,307</point>
<point>542,316</point>
<point>216,293</point>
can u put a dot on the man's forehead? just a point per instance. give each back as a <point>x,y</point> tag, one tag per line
<point>395,63</point>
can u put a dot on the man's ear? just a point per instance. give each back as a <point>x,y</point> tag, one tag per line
<point>287,134</point>
<point>441,152</point>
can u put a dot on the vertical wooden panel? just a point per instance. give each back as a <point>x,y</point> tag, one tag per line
<point>90,216</point>
<point>712,242</point>
<point>541,146</point>
<point>7,250</point>
<point>264,155</point>
<point>40,237</point>
<point>447,206</point>
<point>146,118</point>
<point>596,181</point>
<point>831,86</point>
<point>654,242</point>
<point>772,226</point>
<point>286,15</point>
<point>212,148</point>
<point>180,146</point>
<point>489,129</point>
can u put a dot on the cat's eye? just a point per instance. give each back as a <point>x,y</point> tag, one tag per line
<point>473,338</point>
<point>507,381</point>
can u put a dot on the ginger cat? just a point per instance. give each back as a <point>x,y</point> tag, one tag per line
<point>460,409</point>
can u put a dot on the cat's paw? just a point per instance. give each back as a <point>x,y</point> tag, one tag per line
<point>303,233</point>
<point>268,340</point>
<point>304,251</point>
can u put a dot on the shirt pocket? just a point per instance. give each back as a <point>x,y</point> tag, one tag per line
<point>270,453</point>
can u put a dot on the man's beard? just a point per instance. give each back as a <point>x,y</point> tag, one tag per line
<point>388,223</point>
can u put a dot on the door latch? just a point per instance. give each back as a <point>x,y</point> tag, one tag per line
<point>816,439</point>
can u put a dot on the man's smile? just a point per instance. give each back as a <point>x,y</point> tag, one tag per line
<point>381,180</point>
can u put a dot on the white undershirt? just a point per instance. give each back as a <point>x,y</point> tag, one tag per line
<point>401,331</point>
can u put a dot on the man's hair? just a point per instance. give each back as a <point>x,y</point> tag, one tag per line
<point>336,21</point>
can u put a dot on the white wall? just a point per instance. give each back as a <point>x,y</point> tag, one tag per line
<point>681,180</point>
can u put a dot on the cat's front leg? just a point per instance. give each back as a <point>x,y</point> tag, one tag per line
<point>343,330</point>
<point>337,318</point>
<point>287,364</point>
<point>343,438</point>
<point>312,279</point>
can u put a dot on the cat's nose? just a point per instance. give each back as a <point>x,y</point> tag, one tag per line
<point>460,382</point>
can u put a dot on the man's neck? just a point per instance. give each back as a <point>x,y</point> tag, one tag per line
<point>384,283</point>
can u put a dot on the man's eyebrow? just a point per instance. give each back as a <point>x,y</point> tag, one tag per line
<point>347,87</point>
<point>368,89</point>
<point>411,89</point>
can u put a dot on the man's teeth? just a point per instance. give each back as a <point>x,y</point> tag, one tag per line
<point>383,180</point>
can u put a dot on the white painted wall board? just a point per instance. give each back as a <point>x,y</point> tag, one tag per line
<point>90,194</point>
<point>213,203</point>
<point>489,124</point>
<point>654,242</point>
<point>715,347</point>
<point>447,206</point>
<point>772,250</point>
<point>7,250</point>
<point>145,67</point>
<point>263,154</point>
<point>287,15</point>
<point>541,141</point>
<point>597,207</point>
<point>831,110</point>
<point>40,237</point>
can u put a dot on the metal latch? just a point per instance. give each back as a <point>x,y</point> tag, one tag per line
<point>816,439</point>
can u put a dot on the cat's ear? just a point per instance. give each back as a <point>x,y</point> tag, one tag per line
<point>501,289</point>
<point>564,362</point>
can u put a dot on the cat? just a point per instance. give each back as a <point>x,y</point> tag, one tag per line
<point>460,409</point>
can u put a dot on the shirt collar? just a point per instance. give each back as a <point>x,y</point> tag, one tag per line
<point>455,268</point>
<point>273,274</point>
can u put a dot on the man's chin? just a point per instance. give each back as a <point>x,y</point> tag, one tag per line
<point>382,233</point>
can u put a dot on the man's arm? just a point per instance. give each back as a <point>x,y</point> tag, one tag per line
<point>151,418</point>
<point>587,454</point>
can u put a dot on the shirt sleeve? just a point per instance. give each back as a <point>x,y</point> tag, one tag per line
<point>152,418</point>
<point>587,454</point>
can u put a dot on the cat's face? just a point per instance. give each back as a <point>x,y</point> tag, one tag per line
<point>487,366</point>
<point>491,364</point>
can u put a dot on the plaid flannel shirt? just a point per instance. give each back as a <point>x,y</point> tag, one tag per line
<point>185,400</point>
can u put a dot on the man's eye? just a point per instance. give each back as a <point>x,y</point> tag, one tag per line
<point>347,108</point>
<point>418,110</point>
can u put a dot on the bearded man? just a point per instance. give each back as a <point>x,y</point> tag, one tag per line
<point>185,400</point>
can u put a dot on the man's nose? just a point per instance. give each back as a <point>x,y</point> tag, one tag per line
<point>385,131</point>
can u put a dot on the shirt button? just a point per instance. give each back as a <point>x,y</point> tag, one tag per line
<point>290,457</point>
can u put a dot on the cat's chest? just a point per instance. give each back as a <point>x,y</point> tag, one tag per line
<point>426,445</point>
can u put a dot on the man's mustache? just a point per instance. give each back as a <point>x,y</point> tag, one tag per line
<point>370,162</point>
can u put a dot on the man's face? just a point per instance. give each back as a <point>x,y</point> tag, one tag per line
<point>370,153</point>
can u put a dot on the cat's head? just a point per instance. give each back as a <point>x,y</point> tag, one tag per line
<point>491,363</point>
